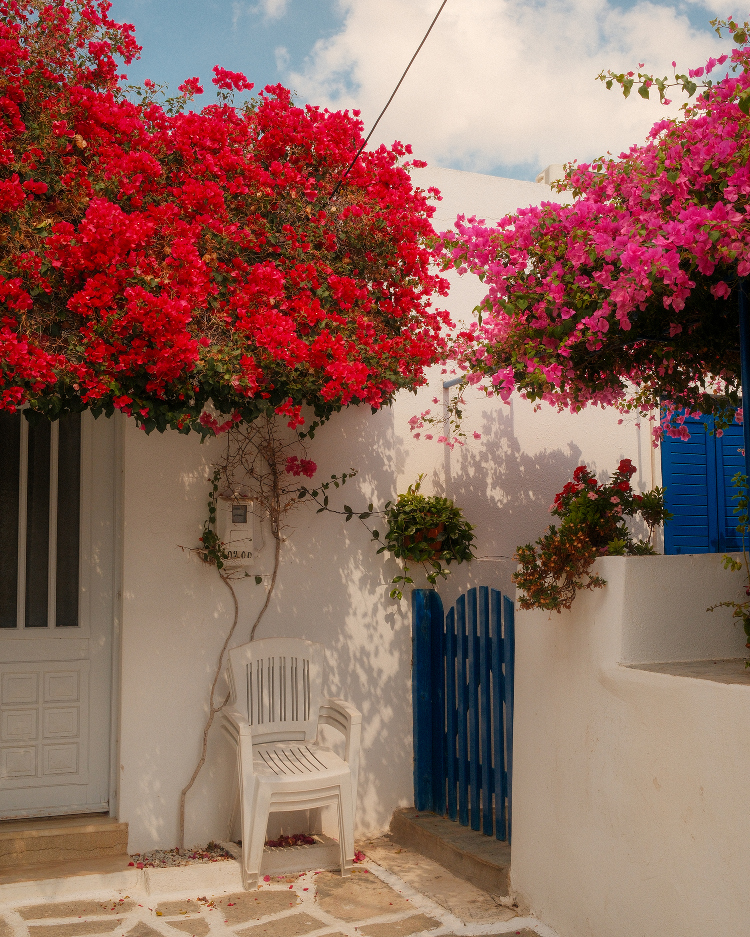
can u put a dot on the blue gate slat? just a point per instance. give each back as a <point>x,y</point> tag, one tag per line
<point>463,716</point>
<point>437,677</point>
<point>422,698</point>
<point>485,721</point>
<point>509,651</point>
<point>474,771</point>
<point>450,712</point>
<point>498,697</point>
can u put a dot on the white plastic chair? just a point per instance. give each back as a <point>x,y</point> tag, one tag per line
<point>273,718</point>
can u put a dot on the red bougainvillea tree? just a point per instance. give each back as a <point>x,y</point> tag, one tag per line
<point>627,295</point>
<point>161,261</point>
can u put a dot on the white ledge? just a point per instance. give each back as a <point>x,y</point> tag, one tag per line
<point>728,670</point>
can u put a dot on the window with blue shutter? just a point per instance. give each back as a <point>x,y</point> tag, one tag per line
<point>697,475</point>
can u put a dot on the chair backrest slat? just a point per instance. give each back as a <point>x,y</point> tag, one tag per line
<point>278,683</point>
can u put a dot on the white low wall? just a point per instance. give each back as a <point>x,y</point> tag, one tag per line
<point>630,787</point>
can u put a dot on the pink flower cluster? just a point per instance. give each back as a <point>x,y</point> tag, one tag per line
<point>627,295</point>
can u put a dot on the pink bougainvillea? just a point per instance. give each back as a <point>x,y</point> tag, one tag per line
<point>627,295</point>
<point>159,261</point>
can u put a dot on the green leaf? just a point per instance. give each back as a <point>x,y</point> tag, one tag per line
<point>348,509</point>
<point>258,580</point>
<point>643,91</point>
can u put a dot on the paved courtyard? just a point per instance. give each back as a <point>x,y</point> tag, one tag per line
<point>206,901</point>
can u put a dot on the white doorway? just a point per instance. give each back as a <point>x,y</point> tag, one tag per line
<point>57,610</point>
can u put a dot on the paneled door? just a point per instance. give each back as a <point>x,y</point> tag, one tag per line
<point>57,553</point>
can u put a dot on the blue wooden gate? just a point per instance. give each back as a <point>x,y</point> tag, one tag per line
<point>462,687</point>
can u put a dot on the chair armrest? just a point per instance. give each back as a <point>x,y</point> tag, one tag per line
<point>339,714</point>
<point>235,724</point>
<point>237,718</point>
<point>347,719</point>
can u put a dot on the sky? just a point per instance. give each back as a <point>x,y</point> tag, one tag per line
<point>504,87</point>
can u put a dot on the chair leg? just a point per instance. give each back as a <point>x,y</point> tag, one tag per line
<point>346,828</point>
<point>252,848</point>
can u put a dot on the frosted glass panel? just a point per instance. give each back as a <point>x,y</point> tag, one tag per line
<point>10,457</point>
<point>68,520</point>
<point>37,525</point>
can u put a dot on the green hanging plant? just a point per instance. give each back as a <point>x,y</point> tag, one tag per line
<point>426,529</point>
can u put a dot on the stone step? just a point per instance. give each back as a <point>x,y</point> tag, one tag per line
<point>482,860</point>
<point>60,839</point>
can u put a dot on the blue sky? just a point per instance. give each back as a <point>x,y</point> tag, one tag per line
<point>502,86</point>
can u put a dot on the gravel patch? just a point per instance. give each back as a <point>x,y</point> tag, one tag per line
<point>167,858</point>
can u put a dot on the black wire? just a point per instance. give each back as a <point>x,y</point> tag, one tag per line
<point>359,151</point>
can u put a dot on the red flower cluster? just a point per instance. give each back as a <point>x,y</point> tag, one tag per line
<point>558,564</point>
<point>296,466</point>
<point>616,498</point>
<point>157,260</point>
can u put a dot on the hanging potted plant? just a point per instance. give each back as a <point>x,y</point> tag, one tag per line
<point>426,529</point>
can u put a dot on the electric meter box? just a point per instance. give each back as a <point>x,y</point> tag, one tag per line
<point>235,530</point>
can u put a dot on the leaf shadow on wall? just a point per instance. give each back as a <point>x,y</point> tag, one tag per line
<point>506,493</point>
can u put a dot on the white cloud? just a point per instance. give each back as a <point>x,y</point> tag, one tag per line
<point>501,83</point>
<point>281,54</point>
<point>272,9</point>
<point>269,9</point>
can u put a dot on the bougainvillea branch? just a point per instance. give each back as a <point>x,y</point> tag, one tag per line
<point>627,296</point>
<point>157,261</point>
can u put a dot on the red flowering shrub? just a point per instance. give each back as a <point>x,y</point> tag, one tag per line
<point>156,261</point>
<point>629,294</point>
<point>592,525</point>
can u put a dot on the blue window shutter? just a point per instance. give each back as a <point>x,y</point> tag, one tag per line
<point>729,461</point>
<point>697,475</point>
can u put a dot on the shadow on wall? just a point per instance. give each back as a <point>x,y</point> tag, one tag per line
<point>333,588</point>
<point>506,493</point>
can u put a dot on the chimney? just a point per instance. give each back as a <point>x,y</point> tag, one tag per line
<point>551,173</point>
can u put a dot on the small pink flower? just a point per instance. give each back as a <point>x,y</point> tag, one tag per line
<point>592,495</point>
<point>477,435</point>
<point>615,500</point>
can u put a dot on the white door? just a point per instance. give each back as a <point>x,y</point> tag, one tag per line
<point>57,550</point>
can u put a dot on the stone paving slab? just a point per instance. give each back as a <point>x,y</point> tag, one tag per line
<point>292,925</point>
<point>187,906</point>
<point>77,929</point>
<point>196,927</point>
<point>357,897</point>
<point>253,905</point>
<point>57,909</point>
<point>143,930</point>
<point>404,928</point>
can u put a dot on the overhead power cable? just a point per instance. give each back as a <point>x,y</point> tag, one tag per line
<point>367,139</point>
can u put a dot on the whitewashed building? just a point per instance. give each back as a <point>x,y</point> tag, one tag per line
<point>105,690</point>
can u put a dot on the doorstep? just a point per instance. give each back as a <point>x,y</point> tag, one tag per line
<point>83,837</point>
<point>482,860</point>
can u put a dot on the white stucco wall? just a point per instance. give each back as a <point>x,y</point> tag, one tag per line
<point>332,586</point>
<point>630,787</point>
